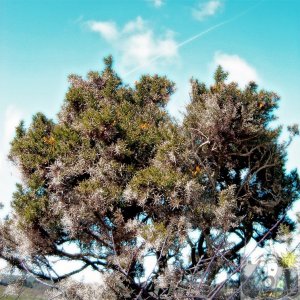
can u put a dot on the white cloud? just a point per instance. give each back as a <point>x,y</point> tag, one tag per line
<point>157,3</point>
<point>137,44</point>
<point>8,173</point>
<point>206,9</point>
<point>136,25</point>
<point>12,118</point>
<point>107,29</point>
<point>239,69</point>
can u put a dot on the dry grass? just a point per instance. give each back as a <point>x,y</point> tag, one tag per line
<point>27,294</point>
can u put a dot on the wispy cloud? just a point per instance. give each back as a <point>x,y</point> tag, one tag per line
<point>106,29</point>
<point>138,44</point>
<point>206,9</point>
<point>157,3</point>
<point>151,50</point>
<point>240,70</point>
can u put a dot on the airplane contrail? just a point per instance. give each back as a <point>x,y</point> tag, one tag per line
<point>195,37</point>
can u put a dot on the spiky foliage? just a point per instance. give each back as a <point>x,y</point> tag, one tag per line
<point>119,178</point>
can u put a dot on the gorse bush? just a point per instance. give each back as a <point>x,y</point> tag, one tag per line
<point>117,176</point>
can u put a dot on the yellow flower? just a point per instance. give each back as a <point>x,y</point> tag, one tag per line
<point>49,140</point>
<point>288,260</point>
<point>196,171</point>
<point>144,126</point>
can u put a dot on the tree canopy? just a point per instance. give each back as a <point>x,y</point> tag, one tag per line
<point>117,176</point>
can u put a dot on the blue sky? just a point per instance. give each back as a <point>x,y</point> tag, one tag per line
<point>42,42</point>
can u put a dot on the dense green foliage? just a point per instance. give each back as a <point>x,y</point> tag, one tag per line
<point>118,177</point>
